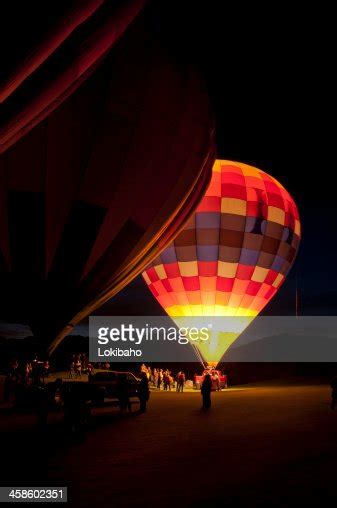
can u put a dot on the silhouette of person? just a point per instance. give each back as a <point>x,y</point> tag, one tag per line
<point>75,407</point>
<point>45,400</point>
<point>216,380</point>
<point>180,381</point>
<point>71,370</point>
<point>166,380</point>
<point>123,392</point>
<point>206,389</point>
<point>144,392</point>
<point>160,378</point>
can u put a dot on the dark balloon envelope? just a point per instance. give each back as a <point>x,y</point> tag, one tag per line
<point>98,181</point>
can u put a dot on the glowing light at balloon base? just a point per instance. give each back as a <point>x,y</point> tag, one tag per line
<point>222,333</point>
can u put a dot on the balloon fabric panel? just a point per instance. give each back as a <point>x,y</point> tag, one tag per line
<point>79,218</point>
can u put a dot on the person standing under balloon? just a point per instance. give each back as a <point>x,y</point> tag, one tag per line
<point>216,380</point>
<point>155,377</point>
<point>167,380</point>
<point>144,392</point>
<point>180,381</point>
<point>206,389</point>
<point>160,378</point>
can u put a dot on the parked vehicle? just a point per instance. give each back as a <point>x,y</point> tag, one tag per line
<point>197,381</point>
<point>104,385</point>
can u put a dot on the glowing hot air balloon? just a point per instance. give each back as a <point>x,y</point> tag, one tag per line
<point>231,257</point>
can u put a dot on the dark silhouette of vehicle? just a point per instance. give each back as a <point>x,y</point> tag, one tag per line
<point>104,385</point>
<point>102,389</point>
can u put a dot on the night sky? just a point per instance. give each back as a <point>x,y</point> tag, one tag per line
<point>270,81</point>
<point>269,77</point>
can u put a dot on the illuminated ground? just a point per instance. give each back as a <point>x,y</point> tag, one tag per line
<point>265,447</point>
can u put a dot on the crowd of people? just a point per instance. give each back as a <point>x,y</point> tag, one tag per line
<point>27,388</point>
<point>215,379</point>
<point>80,365</point>
<point>160,378</point>
<point>23,374</point>
<point>164,379</point>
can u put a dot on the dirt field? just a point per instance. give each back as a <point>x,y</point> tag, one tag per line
<point>271,446</point>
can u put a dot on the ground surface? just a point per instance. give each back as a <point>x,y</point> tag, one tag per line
<point>272,446</point>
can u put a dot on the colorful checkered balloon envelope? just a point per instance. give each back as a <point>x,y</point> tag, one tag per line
<point>231,257</point>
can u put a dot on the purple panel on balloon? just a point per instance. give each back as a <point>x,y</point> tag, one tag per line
<point>169,255</point>
<point>208,220</point>
<point>249,256</point>
<point>207,252</point>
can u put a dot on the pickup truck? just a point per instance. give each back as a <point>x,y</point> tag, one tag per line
<point>101,388</point>
<point>197,381</point>
<point>104,384</point>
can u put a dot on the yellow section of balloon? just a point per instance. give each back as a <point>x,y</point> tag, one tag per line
<point>219,340</point>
